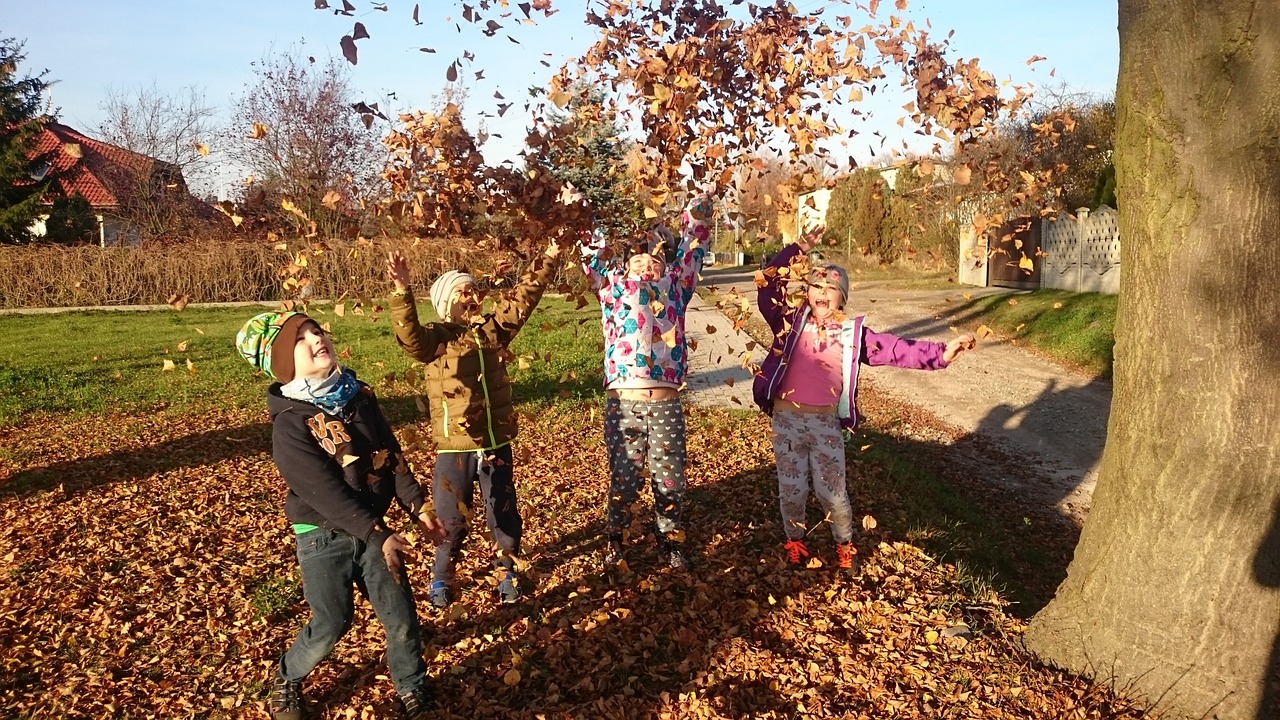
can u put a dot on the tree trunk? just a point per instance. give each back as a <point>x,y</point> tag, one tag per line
<point>1173,589</point>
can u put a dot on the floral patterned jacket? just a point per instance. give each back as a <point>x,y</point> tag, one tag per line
<point>644,320</point>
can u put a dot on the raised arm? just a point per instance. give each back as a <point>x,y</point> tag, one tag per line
<point>601,267</point>
<point>516,307</point>
<point>771,282</point>
<point>771,286</point>
<point>695,236</point>
<point>423,343</point>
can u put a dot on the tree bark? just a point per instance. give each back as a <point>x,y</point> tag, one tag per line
<point>1173,588</point>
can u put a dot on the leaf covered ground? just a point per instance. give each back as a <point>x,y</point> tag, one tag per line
<point>149,572</point>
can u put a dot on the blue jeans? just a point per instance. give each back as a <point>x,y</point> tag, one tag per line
<point>331,561</point>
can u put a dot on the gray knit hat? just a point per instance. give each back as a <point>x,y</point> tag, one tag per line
<point>443,287</point>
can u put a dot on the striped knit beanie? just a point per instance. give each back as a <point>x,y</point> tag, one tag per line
<point>443,287</point>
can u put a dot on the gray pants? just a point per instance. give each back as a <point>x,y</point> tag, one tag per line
<point>805,445</point>
<point>645,435</point>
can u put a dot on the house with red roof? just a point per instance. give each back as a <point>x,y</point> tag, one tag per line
<point>112,179</point>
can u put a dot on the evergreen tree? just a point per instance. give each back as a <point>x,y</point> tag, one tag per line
<point>23,179</point>
<point>589,153</point>
<point>71,221</point>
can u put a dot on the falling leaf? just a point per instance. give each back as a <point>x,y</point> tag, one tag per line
<point>1013,301</point>
<point>359,33</point>
<point>179,301</point>
<point>259,131</point>
<point>168,365</point>
<point>983,331</point>
<point>348,45</point>
<point>348,459</point>
<point>202,149</point>
<point>1026,265</point>
<point>182,346</point>
<point>1057,306</point>
<point>380,458</point>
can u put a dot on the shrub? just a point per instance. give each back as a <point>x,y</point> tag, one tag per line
<point>62,276</point>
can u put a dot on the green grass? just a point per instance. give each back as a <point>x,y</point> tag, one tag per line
<point>96,362</point>
<point>1076,328</point>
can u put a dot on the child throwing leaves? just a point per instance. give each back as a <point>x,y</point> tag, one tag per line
<point>808,384</point>
<point>344,468</point>
<point>473,417</point>
<point>643,299</point>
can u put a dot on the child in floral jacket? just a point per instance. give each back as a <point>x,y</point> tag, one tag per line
<point>808,384</point>
<point>643,301</point>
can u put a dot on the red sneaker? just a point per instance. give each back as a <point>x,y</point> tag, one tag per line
<point>795,551</point>
<point>845,553</point>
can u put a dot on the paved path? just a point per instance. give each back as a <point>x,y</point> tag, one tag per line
<point>1047,418</point>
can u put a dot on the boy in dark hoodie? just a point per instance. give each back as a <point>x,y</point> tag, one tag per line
<point>343,467</point>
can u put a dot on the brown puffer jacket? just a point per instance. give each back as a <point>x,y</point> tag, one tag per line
<point>468,391</point>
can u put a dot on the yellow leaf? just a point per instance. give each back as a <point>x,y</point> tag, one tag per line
<point>968,296</point>
<point>202,149</point>
<point>983,332</point>
<point>676,536</point>
<point>259,131</point>
<point>1026,264</point>
<point>512,678</point>
<point>179,301</point>
<point>868,522</point>
<point>650,213</point>
<point>168,365</point>
<point>1013,301</point>
<point>931,637</point>
<point>1057,306</point>
<point>348,459</point>
<point>182,346</point>
<point>340,309</point>
<point>191,367</point>
<point>73,149</point>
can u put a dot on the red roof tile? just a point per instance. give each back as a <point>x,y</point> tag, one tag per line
<point>102,172</point>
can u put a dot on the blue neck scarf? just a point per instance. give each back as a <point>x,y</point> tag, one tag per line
<point>330,394</point>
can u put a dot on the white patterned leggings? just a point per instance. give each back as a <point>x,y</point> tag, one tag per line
<point>645,435</point>
<point>804,442</point>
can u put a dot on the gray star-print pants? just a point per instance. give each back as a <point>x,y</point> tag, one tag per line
<point>645,435</point>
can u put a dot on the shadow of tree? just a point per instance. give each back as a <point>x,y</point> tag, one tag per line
<point>1266,571</point>
<point>202,447</point>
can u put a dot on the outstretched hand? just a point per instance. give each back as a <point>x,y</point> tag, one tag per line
<point>398,270</point>
<point>811,236</point>
<point>957,346</point>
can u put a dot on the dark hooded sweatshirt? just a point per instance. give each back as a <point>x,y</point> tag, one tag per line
<point>342,471</point>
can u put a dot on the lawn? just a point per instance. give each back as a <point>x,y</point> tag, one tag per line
<point>149,570</point>
<point>114,361</point>
<point>1075,328</point>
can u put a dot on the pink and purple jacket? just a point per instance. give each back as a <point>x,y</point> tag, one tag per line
<point>859,342</point>
<point>636,314</point>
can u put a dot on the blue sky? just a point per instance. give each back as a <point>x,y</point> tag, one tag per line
<point>90,46</point>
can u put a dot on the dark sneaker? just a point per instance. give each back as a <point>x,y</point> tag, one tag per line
<point>286,700</point>
<point>796,551</point>
<point>613,552</point>
<point>509,589</point>
<point>417,703</point>
<point>673,552</point>
<point>439,594</point>
<point>676,559</point>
